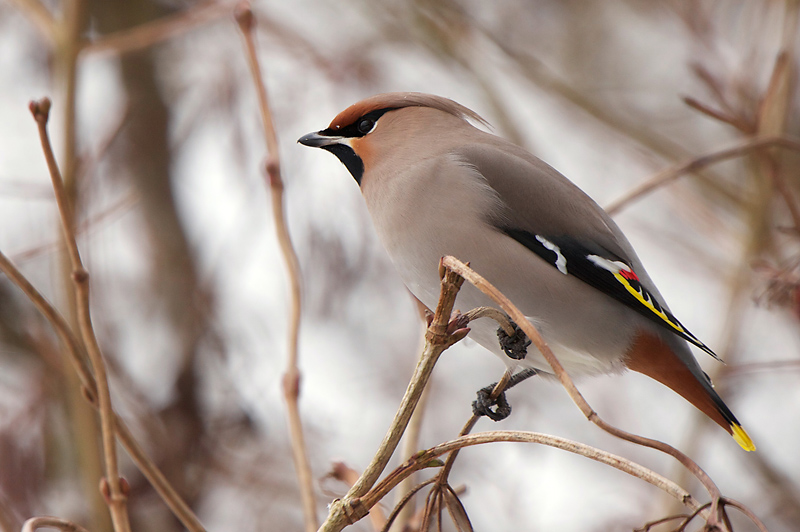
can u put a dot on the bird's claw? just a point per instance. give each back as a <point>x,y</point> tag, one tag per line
<point>515,345</point>
<point>495,409</point>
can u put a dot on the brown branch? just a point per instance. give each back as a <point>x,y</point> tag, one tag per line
<point>58,323</point>
<point>673,172</point>
<point>34,523</point>
<point>116,209</point>
<point>722,116</point>
<point>403,503</point>
<point>150,33</point>
<point>424,459</point>
<point>520,319</point>
<point>291,378</point>
<point>444,474</point>
<point>116,498</point>
<point>439,337</point>
<point>503,321</point>
<point>344,473</point>
<point>40,16</point>
<point>746,511</point>
<point>74,352</point>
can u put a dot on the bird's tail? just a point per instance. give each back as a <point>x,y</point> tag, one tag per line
<point>652,356</point>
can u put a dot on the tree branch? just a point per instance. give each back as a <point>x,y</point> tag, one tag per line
<point>673,172</point>
<point>116,498</point>
<point>438,338</point>
<point>291,378</point>
<point>451,263</point>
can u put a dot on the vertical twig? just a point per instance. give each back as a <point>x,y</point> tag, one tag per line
<point>112,486</point>
<point>291,379</point>
<point>67,43</point>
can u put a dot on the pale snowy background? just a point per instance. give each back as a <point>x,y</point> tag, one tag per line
<point>190,291</point>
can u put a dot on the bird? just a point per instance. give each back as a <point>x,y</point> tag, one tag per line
<point>436,185</point>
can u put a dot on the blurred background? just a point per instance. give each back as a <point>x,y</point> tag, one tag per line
<point>157,131</point>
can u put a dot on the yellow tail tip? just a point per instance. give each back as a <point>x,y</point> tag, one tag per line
<point>742,438</point>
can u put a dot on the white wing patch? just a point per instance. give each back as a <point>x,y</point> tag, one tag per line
<point>614,266</point>
<point>561,260</point>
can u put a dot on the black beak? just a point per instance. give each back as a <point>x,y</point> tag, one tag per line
<point>317,140</point>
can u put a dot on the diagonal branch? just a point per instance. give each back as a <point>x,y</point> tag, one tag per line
<point>151,33</point>
<point>438,338</point>
<point>75,355</point>
<point>693,165</point>
<point>40,16</point>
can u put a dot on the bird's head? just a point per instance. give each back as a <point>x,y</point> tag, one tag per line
<point>358,134</point>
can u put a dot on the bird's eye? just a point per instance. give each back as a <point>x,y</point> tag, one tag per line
<point>365,125</point>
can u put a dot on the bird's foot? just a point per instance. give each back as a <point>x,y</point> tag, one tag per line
<point>495,409</point>
<point>514,345</point>
<point>499,408</point>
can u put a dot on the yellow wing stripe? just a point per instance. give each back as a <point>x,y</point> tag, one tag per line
<point>640,297</point>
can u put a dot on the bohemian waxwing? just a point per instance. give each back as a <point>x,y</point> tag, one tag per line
<point>435,186</point>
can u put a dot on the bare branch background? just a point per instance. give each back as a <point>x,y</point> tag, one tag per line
<point>163,160</point>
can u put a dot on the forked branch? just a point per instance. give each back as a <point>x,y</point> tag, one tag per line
<point>441,334</point>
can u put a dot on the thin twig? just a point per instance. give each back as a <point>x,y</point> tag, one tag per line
<point>93,222</point>
<point>422,460</point>
<point>116,498</point>
<point>438,338</point>
<point>444,474</point>
<point>673,172</point>
<point>502,319</point>
<point>647,526</point>
<point>746,511</point>
<point>34,523</point>
<point>150,33</point>
<point>519,318</point>
<point>722,116</point>
<point>491,312</point>
<point>403,502</point>
<point>689,518</point>
<point>291,379</point>
<point>40,16</point>
<point>126,439</point>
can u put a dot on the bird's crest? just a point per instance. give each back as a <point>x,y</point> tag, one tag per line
<point>398,100</point>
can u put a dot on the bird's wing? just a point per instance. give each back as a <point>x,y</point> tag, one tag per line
<point>607,273</point>
<point>554,219</point>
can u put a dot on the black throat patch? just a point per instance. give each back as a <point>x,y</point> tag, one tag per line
<point>349,159</point>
